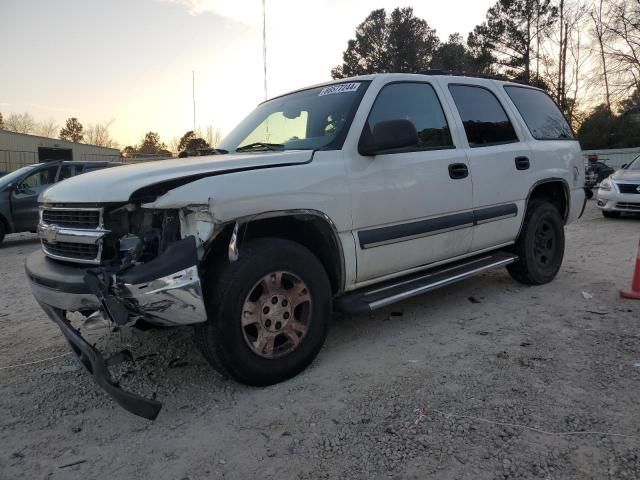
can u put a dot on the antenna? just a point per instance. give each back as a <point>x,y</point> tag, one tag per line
<point>193,96</point>
<point>264,44</point>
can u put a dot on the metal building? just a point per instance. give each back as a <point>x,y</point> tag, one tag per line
<point>20,149</point>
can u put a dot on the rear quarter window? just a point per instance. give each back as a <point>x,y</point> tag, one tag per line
<point>484,119</point>
<point>542,116</point>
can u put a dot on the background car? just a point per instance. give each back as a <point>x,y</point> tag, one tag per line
<point>620,192</point>
<point>19,191</point>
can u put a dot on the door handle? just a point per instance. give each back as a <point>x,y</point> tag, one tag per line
<point>458,170</point>
<point>522,163</point>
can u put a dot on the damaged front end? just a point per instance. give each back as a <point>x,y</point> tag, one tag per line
<point>126,263</point>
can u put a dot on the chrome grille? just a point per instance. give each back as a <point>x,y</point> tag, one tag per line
<point>70,250</point>
<point>628,206</point>
<point>72,234</point>
<point>629,187</point>
<point>72,218</point>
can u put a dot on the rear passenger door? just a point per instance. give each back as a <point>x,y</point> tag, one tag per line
<point>411,206</point>
<point>499,160</point>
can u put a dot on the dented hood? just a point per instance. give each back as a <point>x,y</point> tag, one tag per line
<point>118,184</point>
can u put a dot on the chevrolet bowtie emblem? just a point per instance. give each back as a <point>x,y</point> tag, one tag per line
<point>638,189</point>
<point>49,233</point>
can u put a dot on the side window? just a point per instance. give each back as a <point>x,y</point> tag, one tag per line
<point>90,168</point>
<point>65,172</point>
<point>485,121</point>
<point>418,103</point>
<point>540,113</point>
<point>43,177</point>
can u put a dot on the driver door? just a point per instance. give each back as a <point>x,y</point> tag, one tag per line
<point>24,197</point>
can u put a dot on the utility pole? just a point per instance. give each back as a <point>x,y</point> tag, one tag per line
<point>264,44</point>
<point>193,96</point>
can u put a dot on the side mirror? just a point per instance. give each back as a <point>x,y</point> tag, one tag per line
<point>388,136</point>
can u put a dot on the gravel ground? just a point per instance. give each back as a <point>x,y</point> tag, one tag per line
<point>408,393</point>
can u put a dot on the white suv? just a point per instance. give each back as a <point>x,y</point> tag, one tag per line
<point>350,195</point>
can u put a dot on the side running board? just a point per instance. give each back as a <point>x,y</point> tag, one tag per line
<point>371,298</point>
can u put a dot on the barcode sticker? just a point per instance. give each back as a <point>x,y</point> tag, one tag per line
<point>340,88</point>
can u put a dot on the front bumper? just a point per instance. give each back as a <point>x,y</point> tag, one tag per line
<point>613,201</point>
<point>164,291</point>
<point>97,367</point>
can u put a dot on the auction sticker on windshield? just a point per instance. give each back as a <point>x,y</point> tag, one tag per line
<point>341,88</point>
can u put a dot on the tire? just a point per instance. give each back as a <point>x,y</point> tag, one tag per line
<point>265,350</point>
<point>610,214</point>
<point>2,231</point>
<point>540,246</point>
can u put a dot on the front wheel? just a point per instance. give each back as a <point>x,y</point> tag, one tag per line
<point>268,312</point>
<point>540,246</point>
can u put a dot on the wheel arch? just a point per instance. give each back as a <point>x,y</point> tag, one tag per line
<point>556,190</point>
<point>311,228</point>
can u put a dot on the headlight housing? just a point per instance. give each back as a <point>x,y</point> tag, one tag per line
<point>606,184</point>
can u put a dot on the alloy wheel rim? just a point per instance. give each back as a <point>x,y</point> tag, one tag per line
<point>276,314</point>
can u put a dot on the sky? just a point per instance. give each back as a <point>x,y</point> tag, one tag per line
<point>131,61</point>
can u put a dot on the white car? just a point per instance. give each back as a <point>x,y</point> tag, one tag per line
<point>350,195</point>
<point>620,193</point>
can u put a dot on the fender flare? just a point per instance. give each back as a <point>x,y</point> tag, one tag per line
<point>565,188</point>
<point>235,240</point>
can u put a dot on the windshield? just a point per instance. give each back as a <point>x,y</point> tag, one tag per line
<point>317,118</point>
<point>13,176</point>
<point>635,164</point>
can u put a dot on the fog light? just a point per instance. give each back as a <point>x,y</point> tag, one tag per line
<point>601,203</point>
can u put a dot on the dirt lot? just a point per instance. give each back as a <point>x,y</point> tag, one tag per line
<point>377,401</point>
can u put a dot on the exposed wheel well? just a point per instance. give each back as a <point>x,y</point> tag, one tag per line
<point>553,191</point>
<point>309,230</point>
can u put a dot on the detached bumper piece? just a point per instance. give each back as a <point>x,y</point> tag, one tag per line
<point>96,365</point>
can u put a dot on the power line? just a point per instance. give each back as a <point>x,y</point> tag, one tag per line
<point>264,44</point>
<point>193,95</point>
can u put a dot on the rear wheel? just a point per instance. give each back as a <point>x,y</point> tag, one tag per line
<point>268,312</point>
<point>610,214</point>
<point>540,246</point>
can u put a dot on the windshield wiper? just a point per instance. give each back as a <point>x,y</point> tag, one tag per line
<point>261,146</point>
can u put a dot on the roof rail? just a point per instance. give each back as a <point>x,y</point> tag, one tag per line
<point>461,74</point>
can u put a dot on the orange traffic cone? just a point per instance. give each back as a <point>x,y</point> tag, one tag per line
<point>634,293</point>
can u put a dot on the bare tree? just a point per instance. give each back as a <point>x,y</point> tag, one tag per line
<point>624,45</point>
<point>20,123</point>
<point>213,136</point>
<point>174,145</point>
<point>47,128</point>
<point>600,19</point>
<point>98,134</point>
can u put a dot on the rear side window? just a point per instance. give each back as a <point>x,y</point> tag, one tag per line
<point>65,172</point>
<point>91,168</point>
<point>540,113</point>
<point>418,103</point>
<point>485,121</point>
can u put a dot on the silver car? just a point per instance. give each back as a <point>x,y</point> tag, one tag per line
<point>620,192</point>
